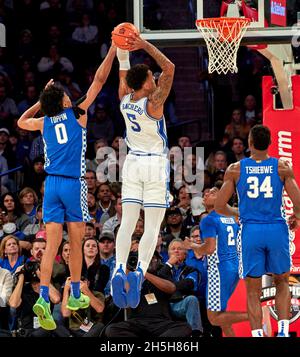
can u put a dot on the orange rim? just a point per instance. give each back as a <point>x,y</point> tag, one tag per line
<point>211,22</point>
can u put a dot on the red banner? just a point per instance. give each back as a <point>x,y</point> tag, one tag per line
<point>278,12</point>
<point>285,130</point>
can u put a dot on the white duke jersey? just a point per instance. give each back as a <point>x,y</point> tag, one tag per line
<point>144,134</point>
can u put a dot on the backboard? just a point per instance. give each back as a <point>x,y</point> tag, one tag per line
<point>171,22</point>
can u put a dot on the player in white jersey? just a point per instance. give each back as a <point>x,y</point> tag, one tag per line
<point>145,171</point>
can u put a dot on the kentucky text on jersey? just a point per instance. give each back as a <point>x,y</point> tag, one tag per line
<point>58,118</point>
<point>259,169</point>
<point>133,107</point>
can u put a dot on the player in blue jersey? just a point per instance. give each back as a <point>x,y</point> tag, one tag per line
<point>145,170</point>
<point>219,234</point>
<point>64,134</point>
<point>264,244</point>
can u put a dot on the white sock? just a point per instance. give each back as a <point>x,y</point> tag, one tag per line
<point>130,216</point>
<point>257,333</point>
<point>148,242</point>
<point>283,327</point>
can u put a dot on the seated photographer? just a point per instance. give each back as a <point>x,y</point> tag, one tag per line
<point>84,322</point>
<point>152,316</point>
<point>24,297</point>
<point>184,303</point>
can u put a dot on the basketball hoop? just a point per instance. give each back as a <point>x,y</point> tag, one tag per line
<point>223,36</point>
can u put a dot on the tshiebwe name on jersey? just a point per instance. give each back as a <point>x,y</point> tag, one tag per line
<point>259,169</point>
<point>134,107</point>
<point>59,118</point>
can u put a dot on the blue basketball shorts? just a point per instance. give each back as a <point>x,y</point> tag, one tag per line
<point>65,200</point>
<point>222,279</point>
<point>264,248</point>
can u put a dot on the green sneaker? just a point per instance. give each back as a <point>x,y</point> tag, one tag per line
<point>75,304</point>
<point>42,310</point>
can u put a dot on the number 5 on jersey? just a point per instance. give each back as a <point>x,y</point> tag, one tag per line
<point>255,189</point>
<point>61,133</point>
<point>135,126</point>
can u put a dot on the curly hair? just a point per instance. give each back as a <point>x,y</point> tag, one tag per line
<point>51,100</point>
<point>137,76</point>
<point>261,137</point>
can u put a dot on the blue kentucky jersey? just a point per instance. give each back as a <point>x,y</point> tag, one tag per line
<point>260,191</point>
<point>224,230</point>
<point>65,145</point>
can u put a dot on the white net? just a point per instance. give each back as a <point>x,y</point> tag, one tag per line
<point>223,37</point>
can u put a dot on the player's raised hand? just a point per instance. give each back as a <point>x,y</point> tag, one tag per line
<point>136,42</point>
<point>49,84</point>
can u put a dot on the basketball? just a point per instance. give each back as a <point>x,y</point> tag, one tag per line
<point>121,33</point>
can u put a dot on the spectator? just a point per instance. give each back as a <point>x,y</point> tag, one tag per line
<point>115,220</point>
<point>36,176</point>
<point>183,302</point>
<point>12,212</point>
<point>101,124</point>
<point>28,199</point>
<point>70,87</point>
<point>96,273</point>
<point>91,164</point>
<point>174,228</point>
<point>10,254</point>
<point>184,142</point>
<point>251,114</point>
<point>85,33</point>
<point>8,109</point>
<point>84,322</point>
<point>107,255</point>
<point>237,126</point>
<point>91,181</point>
<point>23,298</point>
<point>90,231</point>
<point>31,97</point>
<point>152,316</point>
<point>61,266</point>
<point>104,196</point>
<point>52,64</point>
<point>37,148</point>
<point>37,225</point>
<point>6,288</point>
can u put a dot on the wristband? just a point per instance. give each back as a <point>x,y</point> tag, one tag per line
<point>123,57</point>
<point>169,265</point>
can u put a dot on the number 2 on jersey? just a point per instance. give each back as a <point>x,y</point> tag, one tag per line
<point>255,189</point>
<point>61,133</point>
<point>136,126</point>
<point>230,237</point>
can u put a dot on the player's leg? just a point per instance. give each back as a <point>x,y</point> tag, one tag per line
<point>253,286</point>
<point>53,215</point>
<point>76,214</point>
<point>253,263</point>
<point>283,303</point>
<point>279,263</point>
<point>153,173</point>
<point>222,283</point>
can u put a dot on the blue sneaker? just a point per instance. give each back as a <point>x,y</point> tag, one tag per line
<point>118,288</point>
<point>135,280</point>
<point>281,334</point>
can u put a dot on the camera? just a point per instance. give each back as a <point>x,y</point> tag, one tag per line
<point>132,261</point>
<point>29,271</point>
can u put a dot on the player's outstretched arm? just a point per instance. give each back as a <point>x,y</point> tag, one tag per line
<point>99,79</point>
<point>226,191</point>
<point>27,120</point>
<point>159,96</point>
<point>123,57</point>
